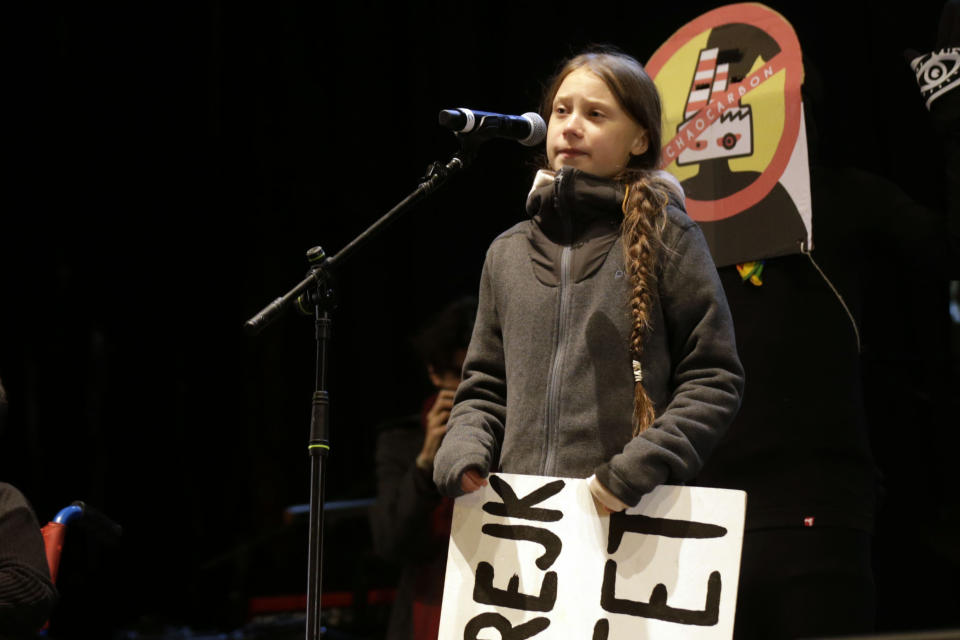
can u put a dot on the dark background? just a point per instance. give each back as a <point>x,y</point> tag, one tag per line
<point>168,164</point>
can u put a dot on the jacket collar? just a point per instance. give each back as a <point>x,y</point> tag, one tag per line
<point>565,204</point>
<point>575,210</point>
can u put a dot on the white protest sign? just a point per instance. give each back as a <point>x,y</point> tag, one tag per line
<point>530,557</point>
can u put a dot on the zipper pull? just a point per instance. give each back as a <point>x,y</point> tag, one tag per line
<point>560,206</point>
<point>556,191</point>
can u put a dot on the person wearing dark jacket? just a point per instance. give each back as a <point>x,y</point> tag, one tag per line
<point>603,343</point>
<point>809,333</point>
<point>410,521</point>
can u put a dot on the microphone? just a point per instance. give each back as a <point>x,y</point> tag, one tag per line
<point>528,129</point>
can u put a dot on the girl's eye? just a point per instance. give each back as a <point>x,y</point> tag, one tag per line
<point>560,109</point>
<point>596,114</point>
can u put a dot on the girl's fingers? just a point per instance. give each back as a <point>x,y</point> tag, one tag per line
<point>471,480</point>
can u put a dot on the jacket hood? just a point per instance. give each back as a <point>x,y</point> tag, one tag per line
<point>564,204</point>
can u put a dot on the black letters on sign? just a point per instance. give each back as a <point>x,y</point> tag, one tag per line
<point>657,607</point>
<point>601,630</point>
<point>513,507</point>
<point>485,593</point>
<point>507,631</point>
<point>621,523</point>
<point>550,541</point>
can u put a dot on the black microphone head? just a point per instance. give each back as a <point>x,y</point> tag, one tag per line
<point>457,120</point>
<point>538,129</point>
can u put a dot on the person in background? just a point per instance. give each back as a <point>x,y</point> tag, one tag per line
<point>604,347</point>
<point>811,333</point>
<point>410,521</point>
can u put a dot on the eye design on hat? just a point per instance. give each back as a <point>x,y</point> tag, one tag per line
<point>937,72</point>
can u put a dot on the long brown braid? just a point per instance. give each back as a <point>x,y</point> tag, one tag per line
<point>644,210</point>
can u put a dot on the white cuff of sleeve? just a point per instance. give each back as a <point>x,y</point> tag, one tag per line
<point>602,495</point>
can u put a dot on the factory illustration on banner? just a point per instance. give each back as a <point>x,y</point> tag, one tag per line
<point>730,135</point>
<point>734,131</point>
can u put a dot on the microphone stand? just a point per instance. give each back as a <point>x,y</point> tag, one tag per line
<point>314,294</point>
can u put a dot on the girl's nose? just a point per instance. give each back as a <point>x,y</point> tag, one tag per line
<point>573,125</point>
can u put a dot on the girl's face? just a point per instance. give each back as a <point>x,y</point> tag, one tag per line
<point>588,129</point>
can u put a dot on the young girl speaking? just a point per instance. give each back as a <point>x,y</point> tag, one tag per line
<point>603,342</point>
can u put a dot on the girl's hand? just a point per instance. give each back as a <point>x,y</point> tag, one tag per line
<point>471,480</point>
<point>605,501</point>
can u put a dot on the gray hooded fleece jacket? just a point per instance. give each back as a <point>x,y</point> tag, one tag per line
<point>548,378</point>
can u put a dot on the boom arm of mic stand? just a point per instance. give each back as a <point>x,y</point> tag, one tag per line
<point>437,176</point>
<point>270,312</point>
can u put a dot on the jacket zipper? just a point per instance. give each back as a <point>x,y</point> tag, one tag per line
<point>548,466</point>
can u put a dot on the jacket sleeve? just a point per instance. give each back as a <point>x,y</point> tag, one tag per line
<point>475,428</point>
<point>27,595</point>
<point>706,378</point>
<point>400,517</point>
